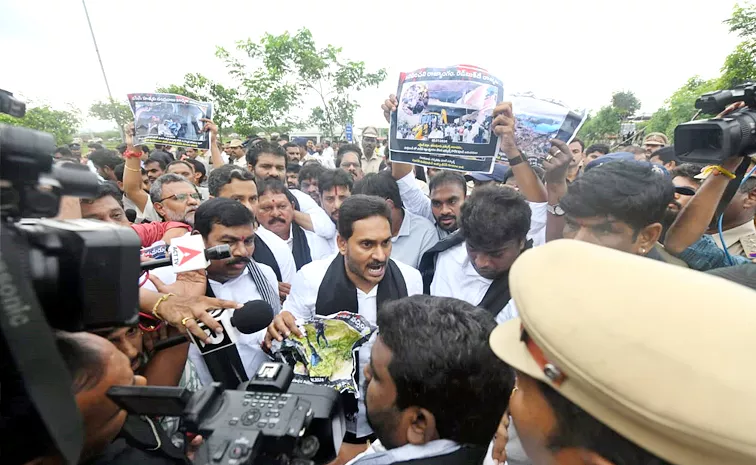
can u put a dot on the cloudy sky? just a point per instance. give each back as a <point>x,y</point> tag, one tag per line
<point>578,52</point>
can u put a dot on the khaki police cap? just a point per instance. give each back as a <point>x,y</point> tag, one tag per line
<point>661,354</point>
<point>656,138</point>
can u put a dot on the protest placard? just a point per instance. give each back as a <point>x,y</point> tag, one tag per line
<point>537,121</point>
<point>444,118</point>
<point>170,119</point>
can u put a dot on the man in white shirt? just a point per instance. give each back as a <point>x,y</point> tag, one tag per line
<point>275,211</point>
<point>413,235</point>
<point>236,152</point>
<point>360,279</point>
<point>415,384</point>
<point>266,160</point>
<point>239,278</point>
<point>232,182</point>
<point>327,157</point>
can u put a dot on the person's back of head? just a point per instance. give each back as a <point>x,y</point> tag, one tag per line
<point>445,359</point>
<point>102,158</point>
<point>602,149</point>
<point>380,185</point>
<point>310,172</point>
<point>494,216</point>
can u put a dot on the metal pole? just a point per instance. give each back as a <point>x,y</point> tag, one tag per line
<point>104,76</point>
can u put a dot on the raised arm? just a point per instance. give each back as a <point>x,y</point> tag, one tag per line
<point>215,153</point>
<point>556,165</point>
<point>503,125</point>
<point>132,170</point>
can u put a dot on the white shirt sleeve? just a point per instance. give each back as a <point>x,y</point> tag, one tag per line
<point>507,313</point>
<point>303,296</point>
<point>149,212</point>
<point>412,279</point>
<point>281,252</point>
<point>538,214</point>
<point>321,223</point>
<point>413,198</point>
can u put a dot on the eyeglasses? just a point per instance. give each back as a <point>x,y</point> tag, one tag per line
<point>183,197</point>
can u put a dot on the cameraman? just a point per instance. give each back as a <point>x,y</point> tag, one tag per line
<point>434,394</point>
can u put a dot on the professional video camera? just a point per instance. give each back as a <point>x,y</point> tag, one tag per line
<point>70,275</point>
<point>267,421</point>
<point>711,141</point>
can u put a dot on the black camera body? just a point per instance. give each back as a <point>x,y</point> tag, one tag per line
<point>267,421</point>
<point>711,141</point>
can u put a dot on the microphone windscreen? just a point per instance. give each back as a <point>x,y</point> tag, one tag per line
<point>131,215</point>
<point>254,316</point>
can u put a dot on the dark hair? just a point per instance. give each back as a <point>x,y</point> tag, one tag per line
<point>145,148</point>
<point>332,178</point>
<point>293,168</point>
<point>221,211</point>
<point>359,207</point>
<point>104,189</point>
<point>666,154</point>
<point>344,149</point>
<point>223,175</point>
<point>263,147</point>
<point>748,185</point>
<point>494,215</point>
<point>272,185</point>
<point>289,145</point>
<point>199,167</point>
<point>687,170</point>
<point>582,144</point>
<point>575,428</point>
<point>601,148</point>
<point>634,149</point>
<point>122,148</point>
<point>447,358</point>
<point>159,161</point>
<point>118,171</point>
<point>84,362</point>
<point>445,177</point>
<point>95,145</point>
<point>64,151</point>
<point>180,162</point>
<point>311,171</point>
<point>103,157</point>
<point>632,192</point>
<point>381,185</point>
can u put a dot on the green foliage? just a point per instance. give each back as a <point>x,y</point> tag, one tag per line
<point>625,103</point>
<point>739,66</point>
<point>225,100</point>
<point>598,127</point>
<point>743,21</point>
<point>61,124</point>
<point>118,112</point>
<point>680,107</point>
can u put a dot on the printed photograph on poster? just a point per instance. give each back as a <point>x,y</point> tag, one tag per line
<point>170,119</point>
<point>538,121</point>
<point>445,115</point>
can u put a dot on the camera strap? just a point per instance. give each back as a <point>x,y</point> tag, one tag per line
<point>31,345</point>
<point>732,187</point>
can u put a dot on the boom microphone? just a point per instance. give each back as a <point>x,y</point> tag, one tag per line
<point>220,353</point>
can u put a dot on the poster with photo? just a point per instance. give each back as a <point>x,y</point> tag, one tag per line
<point>537,121</point>
<point>170,119</point>
<point>444,118</point>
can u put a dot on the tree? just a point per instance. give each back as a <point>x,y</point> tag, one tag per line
<point>740,65</point>
<point>226,102</point>
<point>61,124</point>
<point>680,107</point>
<point>118,112</point>
<point>285,69</point>
<point>626,103</point>
<point>604,124</point>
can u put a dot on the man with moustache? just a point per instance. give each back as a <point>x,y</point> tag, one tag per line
<point>370,161</point>
<point>238,279</point>
<point>360,279</point>
<point>349,159</point>
<point>275,212</point>
<point>174,198</point>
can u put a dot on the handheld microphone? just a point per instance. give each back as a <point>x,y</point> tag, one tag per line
<point>220,353</point>
<point>219,252</point>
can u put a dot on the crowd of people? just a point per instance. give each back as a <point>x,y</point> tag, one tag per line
<point>595,310</point>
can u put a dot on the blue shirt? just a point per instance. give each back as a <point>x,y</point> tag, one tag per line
<point>704,255</point>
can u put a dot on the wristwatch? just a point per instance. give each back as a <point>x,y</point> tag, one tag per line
<point>555,210</point>
<point>514,161</point>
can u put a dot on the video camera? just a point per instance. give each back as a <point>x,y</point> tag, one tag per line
<point>267,421</point>
<point>65,274</point>
<point>711,141</point>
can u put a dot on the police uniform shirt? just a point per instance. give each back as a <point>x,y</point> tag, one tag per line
<point>304,295</point>
<point>241,289</point>
<point>738,239</point>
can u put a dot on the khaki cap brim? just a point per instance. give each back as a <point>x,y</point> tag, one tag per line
<point>506,344</point>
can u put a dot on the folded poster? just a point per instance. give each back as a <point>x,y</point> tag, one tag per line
<point>444,119</point>
<point>170,119</point>
<point>537,121</point>
<point>326,355</point>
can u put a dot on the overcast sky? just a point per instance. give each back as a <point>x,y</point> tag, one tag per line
<point>578,52</point>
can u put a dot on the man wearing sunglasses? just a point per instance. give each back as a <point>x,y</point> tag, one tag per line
<point>174,198</point>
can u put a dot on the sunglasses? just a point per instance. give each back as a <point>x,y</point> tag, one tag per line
<point>685,190</point>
